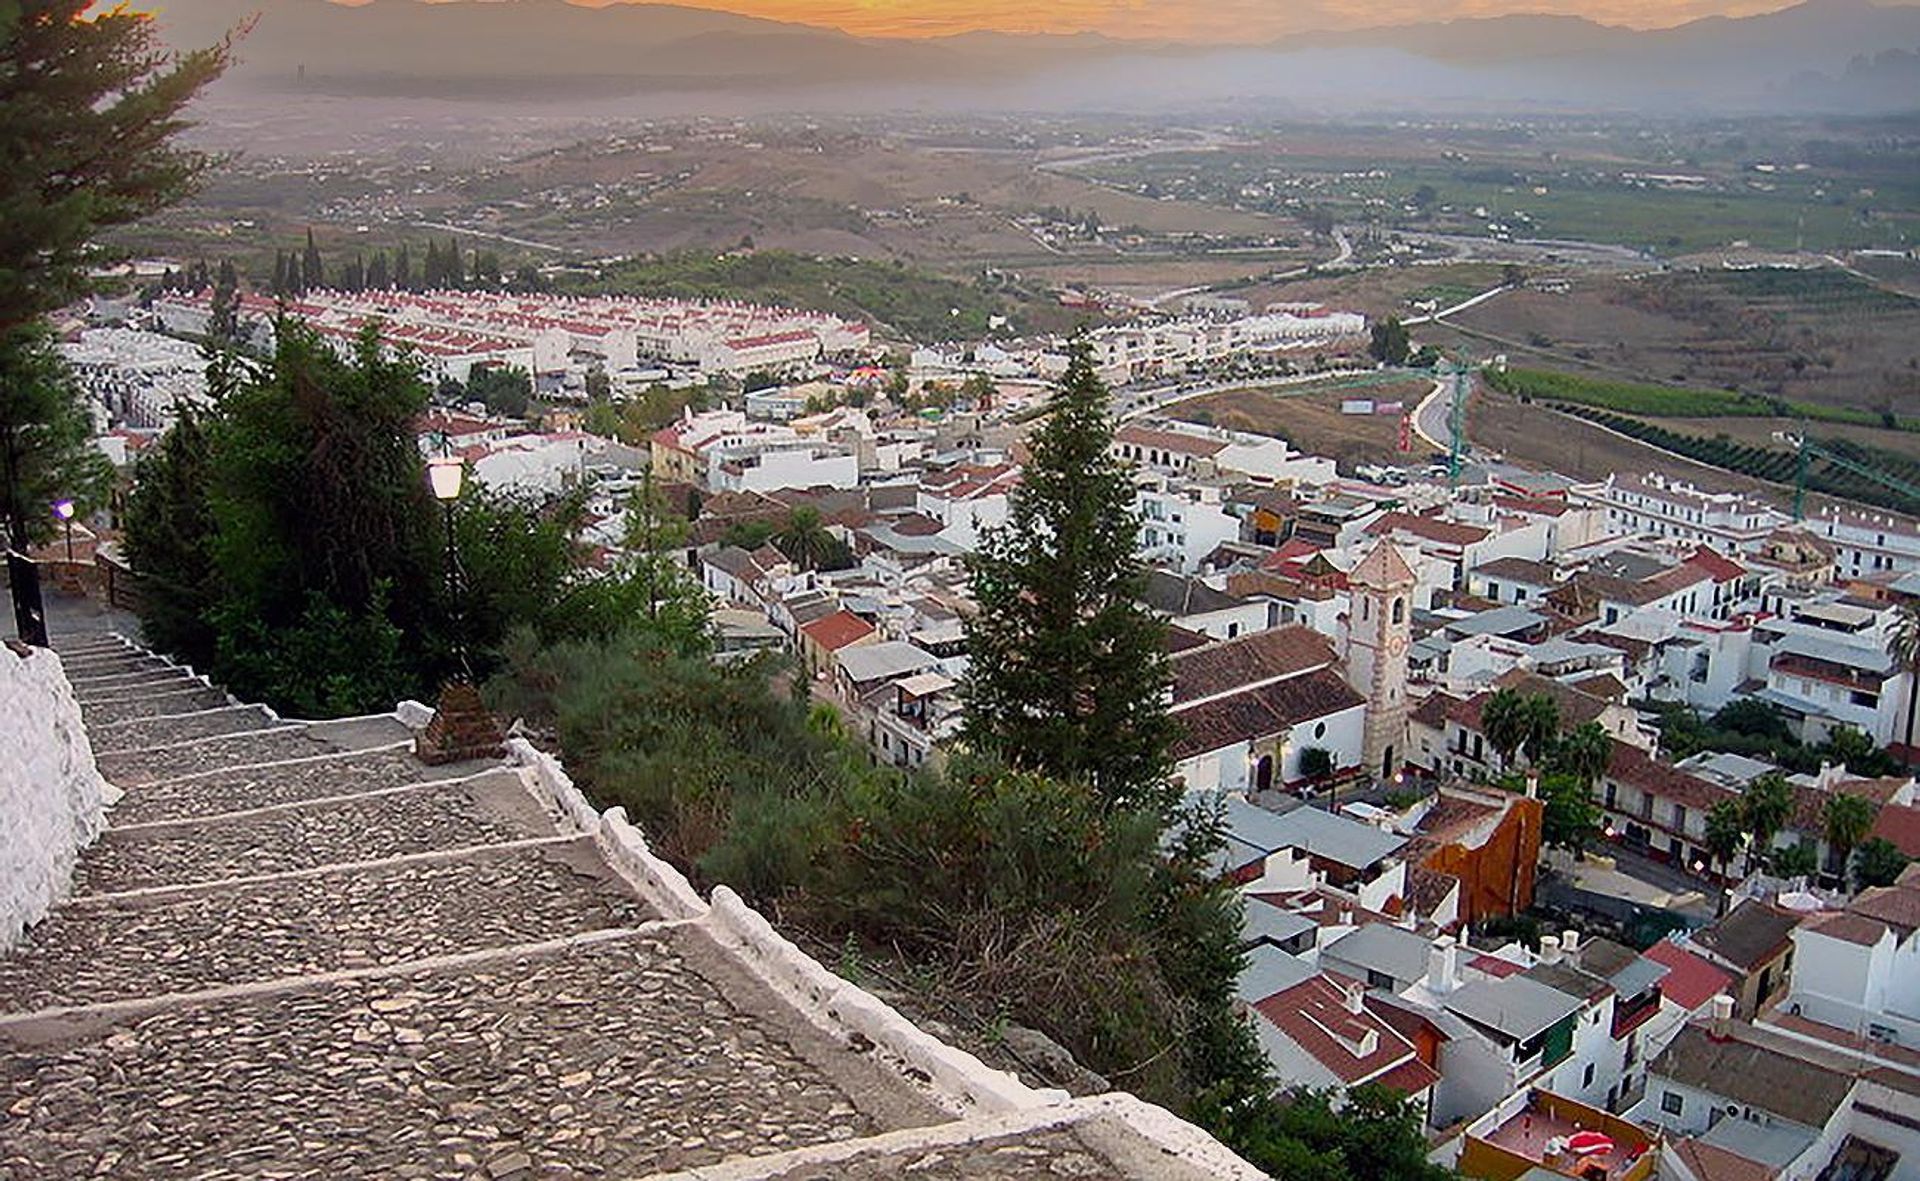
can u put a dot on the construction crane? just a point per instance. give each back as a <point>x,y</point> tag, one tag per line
<point>1806,447</point>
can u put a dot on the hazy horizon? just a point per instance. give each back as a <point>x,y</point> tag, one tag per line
<point>1221,22</point>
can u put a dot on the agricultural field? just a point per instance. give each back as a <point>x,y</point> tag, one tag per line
<point>1646,400</point>
<point>1824,337</point>
<point>1312,421</point>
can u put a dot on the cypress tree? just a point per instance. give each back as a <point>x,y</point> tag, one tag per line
<point>1068,671</point>
<point>402,270</point>
<point>312,272</point>
<point>456,276</point>
<point>279,272</point>
<point>377,272</point>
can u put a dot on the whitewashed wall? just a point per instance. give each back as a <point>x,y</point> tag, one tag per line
<point>52,798</point>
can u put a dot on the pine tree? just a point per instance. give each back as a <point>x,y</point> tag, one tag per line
<point>73,85</point>
<point>169,535</point>
<point>46,452</point>
<point>1068,671</point>
<point>313,273</point>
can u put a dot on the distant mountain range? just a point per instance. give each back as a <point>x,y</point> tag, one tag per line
<point>549,47</point>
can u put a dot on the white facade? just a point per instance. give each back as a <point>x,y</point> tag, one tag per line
<point>1181,526</point>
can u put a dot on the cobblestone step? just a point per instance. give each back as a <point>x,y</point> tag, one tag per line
<point>101,664</point>
<point>87,672</point>
<point>183,726</point>
<point>132,768</point>
<point>88,645</point>
<point>486,810</point>
<point>622,1056</point>
<point>245,788</point>
<point>135,686</point>
<point>188,699</point>
<point>309,924</point>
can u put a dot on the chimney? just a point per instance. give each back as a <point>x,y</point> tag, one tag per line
<point>1570,944</point>
<point>1722,1018</point>
<point>1355,998</point>
<point>1443,966</point>
<point>1549,949</point>
<point>1533,784</point>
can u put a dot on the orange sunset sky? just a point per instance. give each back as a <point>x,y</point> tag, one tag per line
<point>1198,20</point>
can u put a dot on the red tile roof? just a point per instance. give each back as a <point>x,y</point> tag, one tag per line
<point>1313,1014</point>
<point>1691,981</point>
<point>1900,824</point>
<point>1431,528</point>
<point>1718,568</point>
<point>1248,660</point>
<point>836,631</point>
<point>1849,928</point>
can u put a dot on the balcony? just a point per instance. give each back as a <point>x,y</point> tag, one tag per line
<point>1537,1129</point>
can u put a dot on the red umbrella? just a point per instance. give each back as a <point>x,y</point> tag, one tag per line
<point>1588,1143</point>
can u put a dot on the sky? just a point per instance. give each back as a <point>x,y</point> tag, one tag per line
<point>1199,20</point>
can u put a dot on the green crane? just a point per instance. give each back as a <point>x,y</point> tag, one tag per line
<point>1806,447</point>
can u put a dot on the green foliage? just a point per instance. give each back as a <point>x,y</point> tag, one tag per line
<point>1754,718</point>
<point>46,452</point>
<point>1520,724</point>
<point>1758,730</point>
<point>506,390</point>
<point>93,104</point>
<point>1571,818</point>
<point>1583,755</point>
<point>808,544</point>
<point>1390,343</point>
<point>914,303</point>
<point>1794,861</point>
<point>1726,831</point>
<point>1316,763</point>
<point>1766,803</point>
<point>1366,1134</point>
<point>1068,670</point>
<point>1647,400</point>
<point>169,540</point>
<point>1879,862</point>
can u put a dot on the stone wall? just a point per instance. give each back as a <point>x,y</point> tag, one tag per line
<point>52,798</point>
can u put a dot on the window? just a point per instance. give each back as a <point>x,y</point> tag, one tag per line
<point>1399,610</point>
<point>1319,729</point>
<point>1670,1102</point>
<point>1379,979</point>
<point>1586,1079</point>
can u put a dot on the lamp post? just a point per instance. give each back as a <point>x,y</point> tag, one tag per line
<point>461,727</point>
<point>445,474</point>
<point>64,510</point>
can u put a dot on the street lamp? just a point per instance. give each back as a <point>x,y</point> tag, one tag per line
<point>64,510</point>
<point>445,474</point>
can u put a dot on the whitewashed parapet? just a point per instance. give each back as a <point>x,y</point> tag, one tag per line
<point>665,887</point>
<point>554,787</point>
<point>52,796</point>
<point>966,1083</point>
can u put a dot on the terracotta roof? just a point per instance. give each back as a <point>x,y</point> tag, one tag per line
<point>1179,639</point>
<point>1435,710</point>
<point>1718,568</point>
<point>1896,905</point>
<point>1636,768</point>
<point>1517,570</point>
<point>1261,712</point>
<point>1750,935</point>
<point>1248,583</point>
<point>1753,1075</point>
<point>1576,708</point>
<point>1141,436</point>
<point>1314,1016</point>
<point>1691,980</point>
<point>1248,660</point>
<point>834,632</point>
<point>1431,528</point>
<point>1428,888</point>
<point>1409,1078</point>
<point>1383,567</point>
<point>1849,928</point>
<point>1900,824</point>
<point>1606,686</point>
<point>1708,1163</point>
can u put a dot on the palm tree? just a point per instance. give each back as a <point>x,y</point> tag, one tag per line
<point>1726,832</point>
<point>1584,754</point>
<point>1765,805</point>
<point>1906,647</point>
<point>1847,820</point>
<point>804,538</point>
<point>1503,720</point>
<point>1542,726</point>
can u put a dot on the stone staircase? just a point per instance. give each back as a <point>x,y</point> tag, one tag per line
<point>299,952</point>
